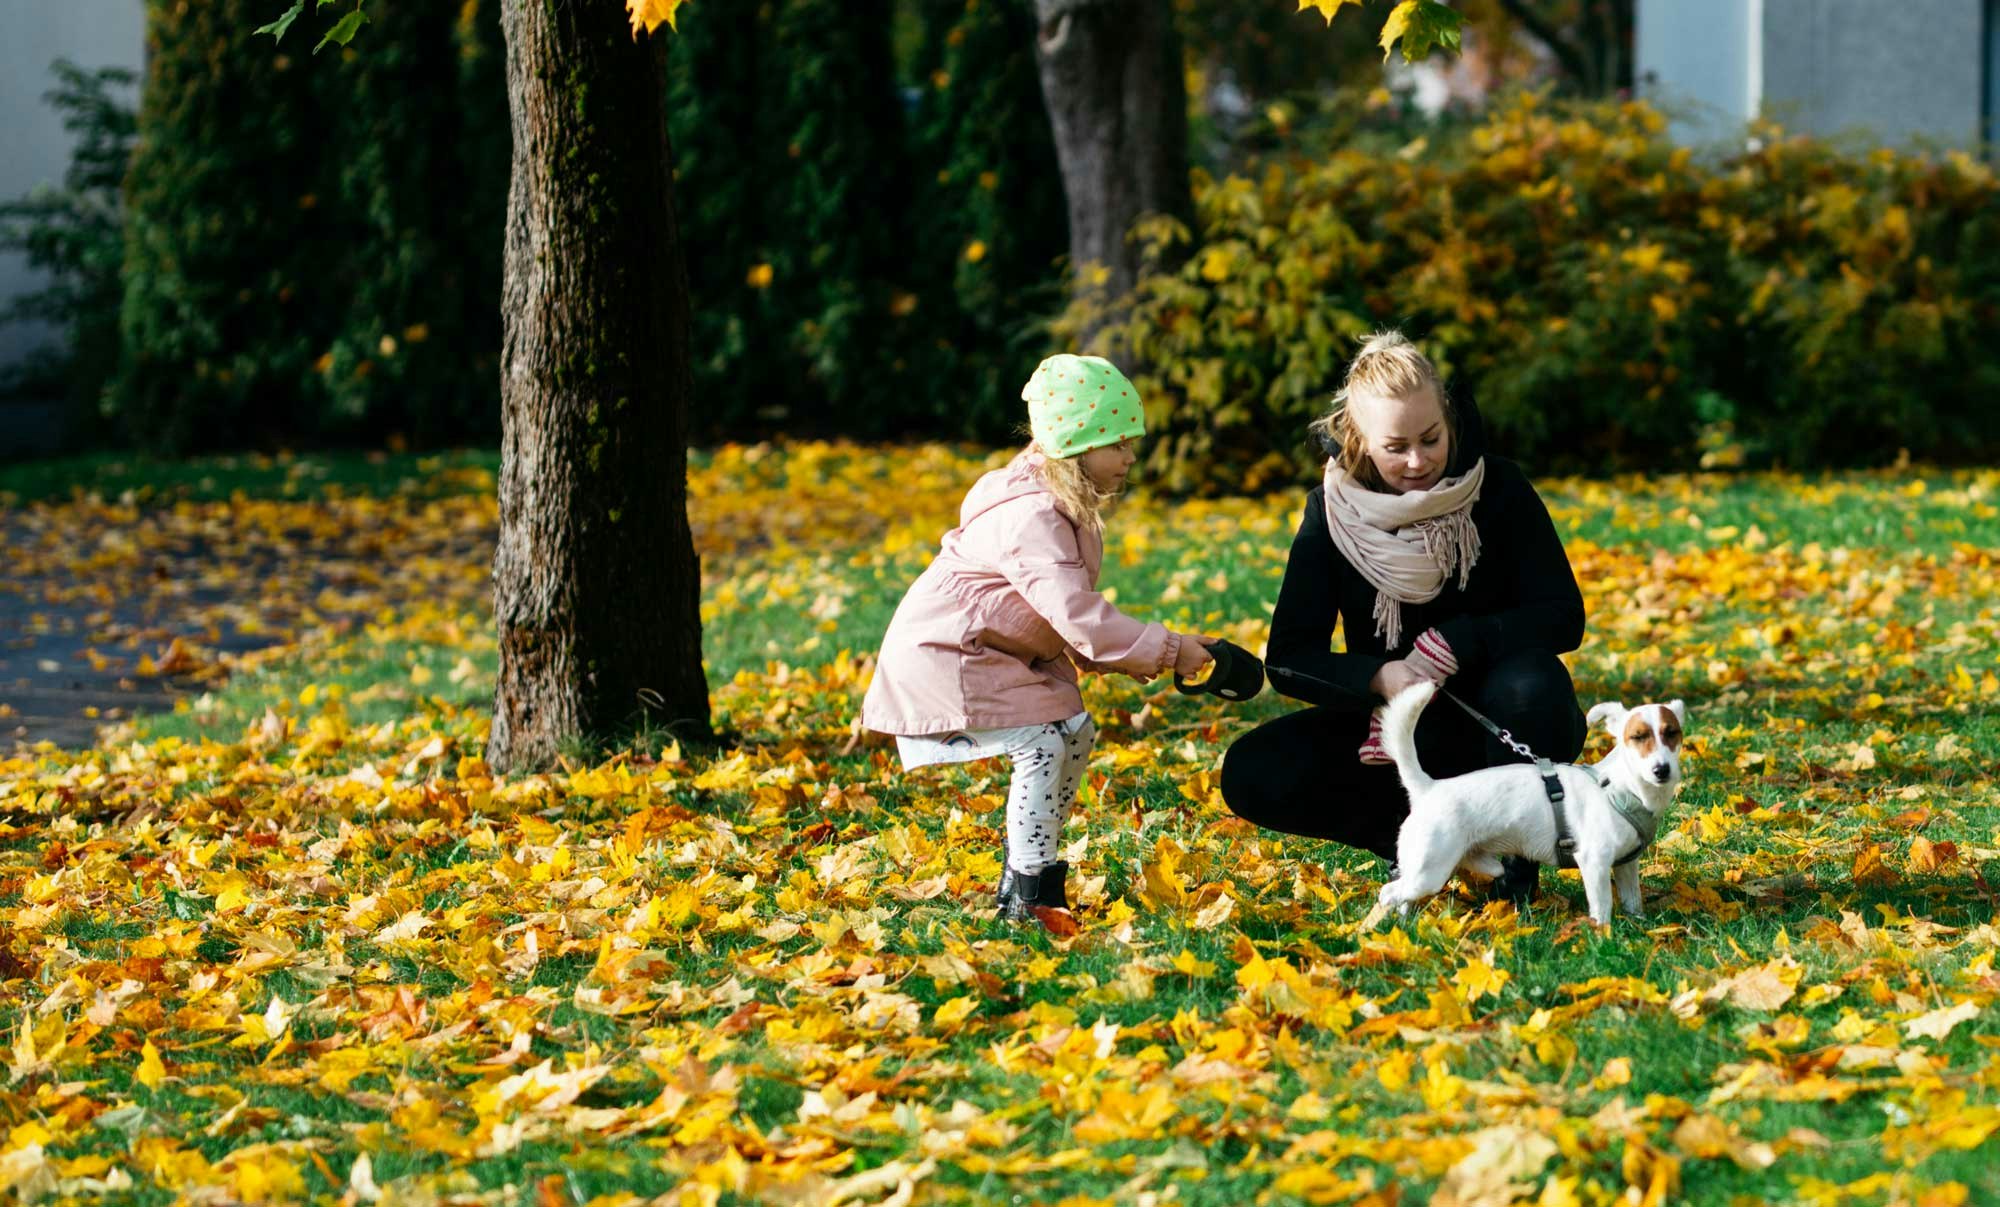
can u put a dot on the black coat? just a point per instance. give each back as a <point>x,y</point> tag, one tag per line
<point>1521,594</point>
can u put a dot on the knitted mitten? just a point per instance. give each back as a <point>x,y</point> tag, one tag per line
<point>1371,749</point>
<point>1431,657</point>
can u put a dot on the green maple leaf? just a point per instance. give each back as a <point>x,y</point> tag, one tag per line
<point>284,22</point>
<point>1422,26</point>
<point>343,30</point>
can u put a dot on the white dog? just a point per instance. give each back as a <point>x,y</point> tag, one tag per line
<point>1471,820</point>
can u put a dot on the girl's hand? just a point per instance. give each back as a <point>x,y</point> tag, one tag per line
<point>1193,655</point>
<point>1394,677</point>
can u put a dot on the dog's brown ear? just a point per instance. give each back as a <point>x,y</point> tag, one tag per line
<point>1680,712</point>
<point>1611,713</point>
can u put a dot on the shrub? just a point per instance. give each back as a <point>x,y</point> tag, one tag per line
<point>838,240</point>
<point>1868,288</point>
<point>722,159</point>
<point>313,249</point>
<point>1601,291</point>
<point>871,263</point>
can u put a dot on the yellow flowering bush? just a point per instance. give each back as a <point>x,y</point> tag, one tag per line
<point>1605,294</point>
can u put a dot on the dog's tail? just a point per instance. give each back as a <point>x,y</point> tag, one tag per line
<point>1399,735</point>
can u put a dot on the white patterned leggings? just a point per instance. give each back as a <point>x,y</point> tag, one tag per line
<point>1049,761</point>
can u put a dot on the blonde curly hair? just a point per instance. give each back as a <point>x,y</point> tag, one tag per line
<point>1388,366</point>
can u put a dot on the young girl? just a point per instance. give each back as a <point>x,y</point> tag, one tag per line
<point>1439,562</point>
<point>980,660</point>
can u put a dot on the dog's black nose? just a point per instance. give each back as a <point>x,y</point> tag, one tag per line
<point>1663,774</point>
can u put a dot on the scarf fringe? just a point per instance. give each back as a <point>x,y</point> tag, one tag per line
<point>1388,619</point>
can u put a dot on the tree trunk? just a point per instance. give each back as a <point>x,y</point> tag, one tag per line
<point>596,586</point>
<point>1117,101</point>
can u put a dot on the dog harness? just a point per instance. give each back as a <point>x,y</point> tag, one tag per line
<point>1627,805</point>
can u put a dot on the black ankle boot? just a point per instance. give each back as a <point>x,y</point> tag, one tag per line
<point>1020,894</point>
<point>1518,881</point>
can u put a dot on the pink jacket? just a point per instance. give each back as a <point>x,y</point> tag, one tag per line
<point>988,633</point>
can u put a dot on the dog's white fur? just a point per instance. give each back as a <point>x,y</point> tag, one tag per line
<point>1471,820</point>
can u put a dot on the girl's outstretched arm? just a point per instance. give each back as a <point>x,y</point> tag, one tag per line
<point>1043,563</point>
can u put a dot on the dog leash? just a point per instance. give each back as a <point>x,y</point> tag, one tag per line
<point>1551,783</point>
<point>1644,824</point>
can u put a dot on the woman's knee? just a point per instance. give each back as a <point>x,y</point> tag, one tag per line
<point>1250,772</point>
<point>1267,772</point>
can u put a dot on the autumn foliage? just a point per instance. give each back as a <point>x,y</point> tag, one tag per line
<point>297,941</point>
<point>1608,295</point>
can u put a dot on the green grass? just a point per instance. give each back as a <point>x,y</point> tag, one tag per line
<point>153,480</point>
<point>1758,861</point>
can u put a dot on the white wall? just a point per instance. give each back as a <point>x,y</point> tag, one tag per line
<point>1889,73</point>
<point>34,148</point>
<point>1700,60</point>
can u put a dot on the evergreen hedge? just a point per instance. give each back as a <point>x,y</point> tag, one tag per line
<point>223,314</point>
<point>312,248</point>
<point>991,221</point>
<point>867,262</point>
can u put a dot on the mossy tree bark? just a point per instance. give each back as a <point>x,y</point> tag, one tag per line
<point>596,582</point>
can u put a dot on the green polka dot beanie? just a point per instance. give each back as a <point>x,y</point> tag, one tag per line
<point>1078,403</point>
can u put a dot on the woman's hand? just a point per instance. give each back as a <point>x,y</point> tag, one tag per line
<point>1394,677</point>
<point>1193,655</point>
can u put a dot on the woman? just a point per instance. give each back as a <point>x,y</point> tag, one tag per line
<point>1439,562</point>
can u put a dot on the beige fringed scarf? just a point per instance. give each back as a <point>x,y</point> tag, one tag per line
<point>1405,545</point>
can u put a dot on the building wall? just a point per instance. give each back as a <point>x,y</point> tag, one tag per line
<point>1697,59</point>
<point>1990,114</point>
<point>34,148</point>
<point>1913,70</point>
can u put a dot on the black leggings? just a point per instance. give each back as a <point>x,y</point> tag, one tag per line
<point>1303,774</point>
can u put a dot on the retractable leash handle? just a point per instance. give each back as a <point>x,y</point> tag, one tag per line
<point>1237,674</point>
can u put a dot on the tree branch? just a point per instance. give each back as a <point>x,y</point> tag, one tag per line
<point>1543,31</point>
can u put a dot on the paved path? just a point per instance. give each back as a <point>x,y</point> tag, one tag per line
<point>62,656</point>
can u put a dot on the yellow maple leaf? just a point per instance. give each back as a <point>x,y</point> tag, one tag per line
<point>1327,8</point>
<point>1479,978</point>
<point>1126,1115</point>
<point>1216,263</point>
<point>151,1072</point>
<point>648,15</point>
<point>1165,887</point>
<point>1188,963</point>
<point>1393,1071</point>
<point>955,1011</point>
<point>1765,987</point>
<point>1939,1023</point>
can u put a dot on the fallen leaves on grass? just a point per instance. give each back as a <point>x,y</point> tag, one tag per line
<point>320,952</point>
